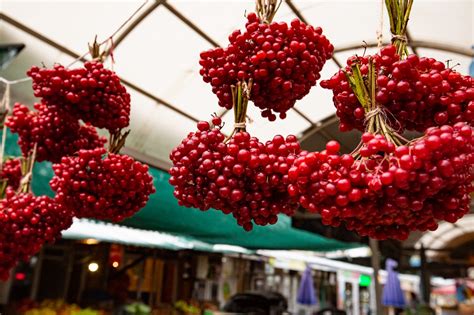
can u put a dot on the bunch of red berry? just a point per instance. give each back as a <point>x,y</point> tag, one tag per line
<point>417,93</point>
<point>54,132</point>
<point>92,93</point>
<point>284,62</point>
<point>390,190</point>
<point>27,222</point>
<point>11,172</point>
<point>241,176</point>
<point>102,186</point>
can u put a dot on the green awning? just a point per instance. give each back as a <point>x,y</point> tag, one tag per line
<point>163,214</point>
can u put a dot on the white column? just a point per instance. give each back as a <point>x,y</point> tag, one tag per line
<point>355,297</point>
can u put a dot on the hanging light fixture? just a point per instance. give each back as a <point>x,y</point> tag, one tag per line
<point>8,52</point>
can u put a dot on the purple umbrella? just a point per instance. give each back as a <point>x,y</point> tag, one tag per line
<point>392,291</point>
<point>306,294</point>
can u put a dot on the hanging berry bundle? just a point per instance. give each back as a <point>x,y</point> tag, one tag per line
<point>53,131</point>
<point>284,61</point>
<point>101,185</point>
<point>11,173</point>
<point>418,92</point>
<point>238,175</point>
<point>92,93</point>
<point>89,180</point>
<point>27,222</point>
<point>393,186</point>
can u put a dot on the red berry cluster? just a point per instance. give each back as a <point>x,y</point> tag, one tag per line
<point>284,62</point>
<point>391,190</point>
<point>55,133</point>
<point>92,93</point>
<point>242,176</point>
<point>27,222</point>
<point>418,92</point>
<point>11,171</point>
<point>102,186</point>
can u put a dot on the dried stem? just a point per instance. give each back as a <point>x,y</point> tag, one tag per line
<point>399,14</point>
<point>27,166</point>
<point>266,9</point>
<point>117,140</point>
<point>240,99</point>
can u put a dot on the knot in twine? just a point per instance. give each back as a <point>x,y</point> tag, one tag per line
<point>401,38</point>
<point>374,112</point>
<point>239,125</point>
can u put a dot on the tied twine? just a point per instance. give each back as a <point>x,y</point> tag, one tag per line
<point>240,125</point>
<point>385,114</point>
<point>401,38</point>
<point>27,178</point>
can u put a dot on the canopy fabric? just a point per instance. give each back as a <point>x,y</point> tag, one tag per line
<point>163,214</point>
<point>107,232</point>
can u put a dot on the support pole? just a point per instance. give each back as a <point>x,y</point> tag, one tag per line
<point>36,276</point>
<point>374,247</point>
<point>424,277</point>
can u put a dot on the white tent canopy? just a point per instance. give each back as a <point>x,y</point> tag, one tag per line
<point>160,50</point>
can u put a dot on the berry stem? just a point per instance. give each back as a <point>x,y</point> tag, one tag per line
<point>117,140</point>
<point>27,166</point>
<point>266,9</point>
<point>399,14</point>
<point>240,100</point>
<point>375,115</point>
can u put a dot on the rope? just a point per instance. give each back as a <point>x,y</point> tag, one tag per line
<point>402,38</point>
<point>374,112</point>
<point>239,125</point>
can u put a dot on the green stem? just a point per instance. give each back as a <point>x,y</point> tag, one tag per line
<point>399,15</point>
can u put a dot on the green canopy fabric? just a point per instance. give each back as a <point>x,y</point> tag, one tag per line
<point>162,213</point>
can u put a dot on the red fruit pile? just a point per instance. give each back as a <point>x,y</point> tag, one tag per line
<point>417,92</point>
<point>389,191</point>
<point>27,222</point>
<point>92,93</point>
<point>242,176</point>
<point>102,186</point>
<point>11,171</point>
<point>284,62</point>
<point>56,133</point>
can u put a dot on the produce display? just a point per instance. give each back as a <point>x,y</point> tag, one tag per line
<point>90,181</point>
<point>55,307</point>
<point>387,187</point>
